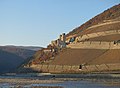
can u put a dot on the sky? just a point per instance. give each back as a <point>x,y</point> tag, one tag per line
<point>38,22</point>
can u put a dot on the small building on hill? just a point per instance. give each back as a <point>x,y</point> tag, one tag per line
<point>61,42</point>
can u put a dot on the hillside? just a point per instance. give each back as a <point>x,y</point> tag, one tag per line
<point>87,56</point>
<point>94,37</point>
<point>33,48</point>
<point>96,42</point>
<point>109,14</point>
<point>21,51</point>
<point>12,56</point>
<point>9,61</point>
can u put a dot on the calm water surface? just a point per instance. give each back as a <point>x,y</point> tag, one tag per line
<point>65,84</point>
<point>78,84</point>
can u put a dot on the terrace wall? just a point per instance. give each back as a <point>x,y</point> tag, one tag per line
<point>94,45</point>
<point>76,68</point>
<point>98,34</point>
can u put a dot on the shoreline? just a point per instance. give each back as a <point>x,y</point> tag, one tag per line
<point>21,81</point>
<point>55,78</point>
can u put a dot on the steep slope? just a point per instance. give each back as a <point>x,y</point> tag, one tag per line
<point>109,20</point>
<point>77,56</point>
<point>111,56</point>
<point>112,13</point>
<point>13,56</point>
<point>96,42</point>
<point>9,61</point>
<point>87,56</point>
<point>104,26</point>
<point>107,38</point>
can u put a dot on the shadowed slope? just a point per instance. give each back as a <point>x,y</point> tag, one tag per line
<point>23,52</point>
<point>9,61</point>
<point>13,56</point>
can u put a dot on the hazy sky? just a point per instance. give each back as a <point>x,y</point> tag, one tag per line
<point>37,22</point>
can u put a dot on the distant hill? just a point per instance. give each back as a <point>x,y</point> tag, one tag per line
<point>12,56</point>
<point>33,48</point>
<point>9,61</point>
<point>22,51</point>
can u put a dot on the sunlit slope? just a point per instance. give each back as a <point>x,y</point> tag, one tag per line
<point>77,56</point>
<point>102,29</point>
<point>110,14</point>
<point>111,56</point>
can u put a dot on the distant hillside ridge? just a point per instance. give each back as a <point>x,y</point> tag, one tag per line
<point>22,51</point>
<point>13,56</point>
<point>9,61</point>
<point>34,48</point>
<point>109,14</point>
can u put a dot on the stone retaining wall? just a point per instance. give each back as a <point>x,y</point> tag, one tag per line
<point>98,34</point>
<point>76,68</point>
<point>94,45</point>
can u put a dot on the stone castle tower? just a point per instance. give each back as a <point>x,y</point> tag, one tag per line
<point>60,42</point>
<point>63,37</point>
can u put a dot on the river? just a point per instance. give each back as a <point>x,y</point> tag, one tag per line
<point>58,81</point>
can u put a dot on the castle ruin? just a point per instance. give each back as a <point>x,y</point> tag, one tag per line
<point>60,42</point>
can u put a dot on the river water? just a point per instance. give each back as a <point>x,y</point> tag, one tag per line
<point>64,84</point>
<point>79,84</point>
